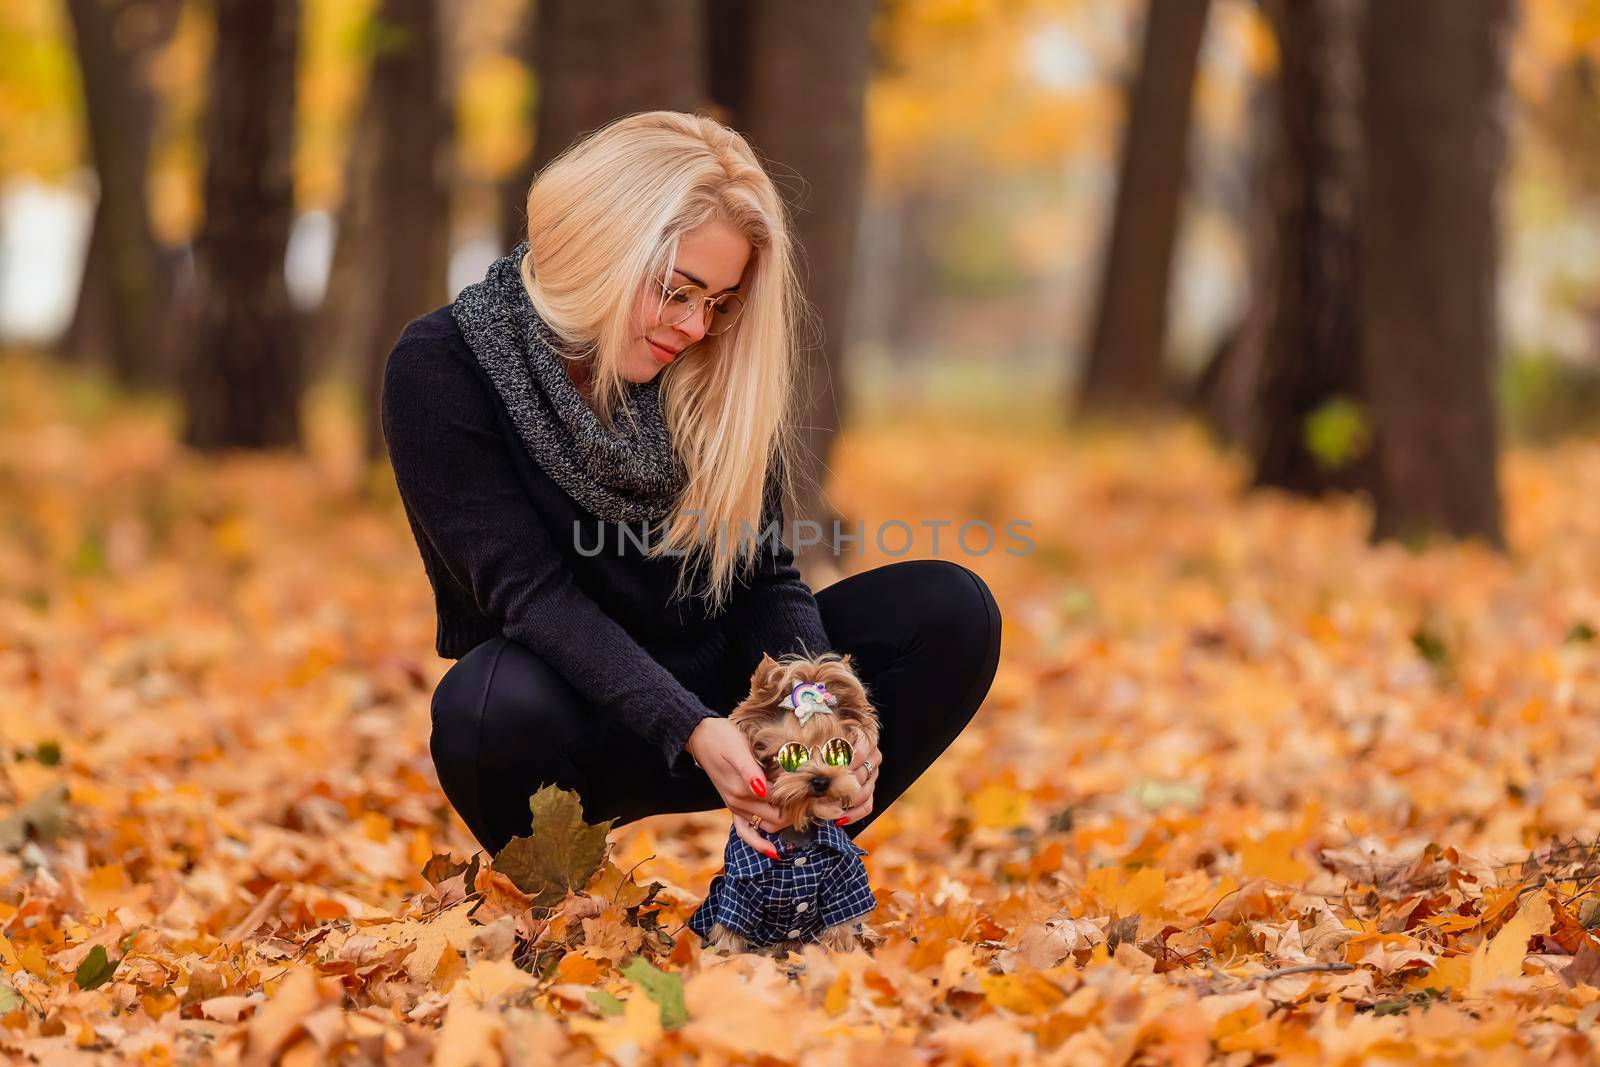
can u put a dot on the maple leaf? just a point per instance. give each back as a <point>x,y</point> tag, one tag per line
<point>1025,993</point>
<point>561,853</point>
<point>441,868</point>
<point>623,1031</point>
<point>1584,968</point>
<point>489,981</point>
<point>1048,943</point>
<point>497,897</point>
<point>96,969</point>
<point>616,885</point>
<point>662,987</point>
<point>1502,956</point>
<point>735,1013</point>
<point>276,1022</point>
<point>469,1036</point>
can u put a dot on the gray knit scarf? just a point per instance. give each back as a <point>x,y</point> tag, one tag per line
<point>628,473</point>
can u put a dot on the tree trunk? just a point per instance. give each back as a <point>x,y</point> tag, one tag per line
<point>1226,391</point>
<point>512,190</point>
<point>895,304</point>
<point>88,337</point>
<point>796,53</point>
<point>344,324</point>
<point>600,61</point>
<point>1312,352</point>
<point>1434,142</point>
<point>415,170</point>
<point>1124,369</point>
<point>125,295</point>
<point>244,377</point>
<point>1298,353</point>
<point>913,286</point>
<point>728,55</point>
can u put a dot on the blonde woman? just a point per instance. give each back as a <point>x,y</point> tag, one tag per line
<point>591,446</point>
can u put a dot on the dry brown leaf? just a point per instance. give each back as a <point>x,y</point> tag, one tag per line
<point>1502,956</point>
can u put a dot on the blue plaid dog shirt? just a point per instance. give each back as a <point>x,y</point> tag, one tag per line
<point>795,897</point>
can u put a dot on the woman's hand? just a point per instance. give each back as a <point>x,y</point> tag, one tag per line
<point>723,752</point>
<point>861,804</point>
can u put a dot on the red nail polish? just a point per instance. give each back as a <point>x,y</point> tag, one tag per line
<point>840,821</point>
<point>759,786</point>
<point>774,855</point>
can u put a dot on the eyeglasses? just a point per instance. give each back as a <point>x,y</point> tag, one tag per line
<point>680,303</point>
<point>836,752</point>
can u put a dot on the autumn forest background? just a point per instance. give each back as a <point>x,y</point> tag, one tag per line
<point>1278,321</point>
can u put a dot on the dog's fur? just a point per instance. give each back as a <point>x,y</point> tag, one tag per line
<point>769,726</point>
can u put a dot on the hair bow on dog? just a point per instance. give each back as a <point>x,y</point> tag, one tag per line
<point>809,698</point>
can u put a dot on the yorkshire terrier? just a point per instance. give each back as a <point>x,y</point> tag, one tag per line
<point>808,720</point>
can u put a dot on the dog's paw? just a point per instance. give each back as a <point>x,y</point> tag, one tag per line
<point>844,937</point>
<point>726,942</point>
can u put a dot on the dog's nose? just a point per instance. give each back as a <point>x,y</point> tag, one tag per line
<point>820,786</point>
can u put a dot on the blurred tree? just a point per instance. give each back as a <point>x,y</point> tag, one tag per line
<point>769,56</point>
<point>974,164</point>
<point>126,310</point>
<point>513,189</point>
<point>345,322</point>
<point>392,259</point>
<point>1560,95</point>
<point>1287,384</point>
<point>598,62</point>
<point>1434,143</point>
<point>1125,366</point>
<point>912,289</point>
<point>244,373</point>
<point>1555,75</point>
<point>41,105</point>
<point>338,39</point>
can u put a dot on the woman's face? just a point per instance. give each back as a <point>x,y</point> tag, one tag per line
<point>712,257</point>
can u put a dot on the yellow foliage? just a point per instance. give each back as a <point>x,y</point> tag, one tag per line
<point>1270,858</point>
<point>494,109</point>
<point>1501,957</point>
<point>1217,776</point>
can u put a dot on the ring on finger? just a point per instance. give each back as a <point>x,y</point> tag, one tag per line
<point>755,821</point>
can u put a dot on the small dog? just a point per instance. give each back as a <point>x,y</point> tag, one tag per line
<point>817,889</point>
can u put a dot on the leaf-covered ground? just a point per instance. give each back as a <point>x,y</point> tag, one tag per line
<point>1245,790</point>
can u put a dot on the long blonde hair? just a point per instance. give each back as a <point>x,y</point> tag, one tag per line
<point>604,217</point>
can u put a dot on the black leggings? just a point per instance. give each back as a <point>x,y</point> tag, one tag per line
<point>924,636</point>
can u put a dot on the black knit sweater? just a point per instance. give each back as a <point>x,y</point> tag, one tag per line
<point>507,551</point>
